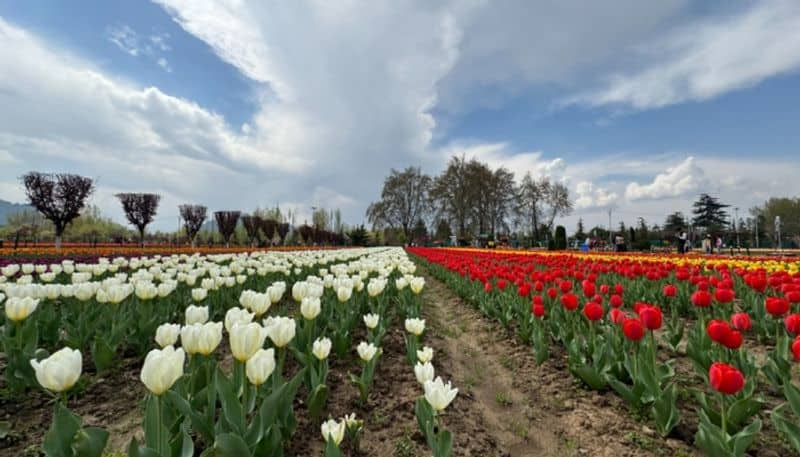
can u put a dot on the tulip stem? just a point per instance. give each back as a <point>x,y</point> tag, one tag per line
<point>722,415</point>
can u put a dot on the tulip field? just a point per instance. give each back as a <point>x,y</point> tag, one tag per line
<point>701,349</point>
<point>333,352</point>
<point>233,351</point>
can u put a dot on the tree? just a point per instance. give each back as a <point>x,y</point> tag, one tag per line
<point>789,211</point>
<point>226,223</point>
<point>580,235</point>
<point>500,194</point>
<point>59,197</point>
<point>404,200</point>
<point>561,238</point>
<point>709,213</point>
<point>358,236</point>
<point>420,231</point>
<point>443,231</point>
<point>532,194</point>
<point>674,222</point>
<point>452,194</point>
<point>558,203</point>
<point>252,226</point>
<point>193,218</point>
<point>140,208</point>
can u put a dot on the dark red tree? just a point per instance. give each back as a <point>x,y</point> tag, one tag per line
<point>226,223</point>
<point>59,197</point>
<point>252,226</point>
<point>140,208</point>
<point>193,218</point>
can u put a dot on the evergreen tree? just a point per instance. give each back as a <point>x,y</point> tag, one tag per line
<point>709,213</point>
<point>579,232</point>
<point>675,221</point>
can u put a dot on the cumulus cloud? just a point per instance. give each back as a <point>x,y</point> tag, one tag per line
<point>709,58</point>
<point>683,179</point>
<point>590,197</point>
<point>501,155</point>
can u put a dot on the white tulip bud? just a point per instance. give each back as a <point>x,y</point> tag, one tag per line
<point>167,334</point>
<point>260,366</point>
<point>60,371</point>
<point>162,367</point>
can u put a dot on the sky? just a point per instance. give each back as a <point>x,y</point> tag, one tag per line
<point>637,107</point>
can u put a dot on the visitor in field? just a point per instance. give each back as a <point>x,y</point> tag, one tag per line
<point>707,244</point>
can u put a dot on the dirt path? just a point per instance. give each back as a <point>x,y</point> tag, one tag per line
<point>526,409</point>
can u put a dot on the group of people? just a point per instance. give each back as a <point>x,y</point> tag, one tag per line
<point>709,244</point>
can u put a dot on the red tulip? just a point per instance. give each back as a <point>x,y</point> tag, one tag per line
<point>618,289</point>
<point>615,301</point>
<point>701,299</point>
<point>565,286</point>
<point>552,292</point>
<point>718,330</point>
<point>538,286</point>
<point>604,289</point>
<point>617,316</point>
<point>796,348</point>
<point>538,310</point>
<point>588,289</point>
<point>669,290</point>
<point>733,340</point>
<point>725,378</point>
<point>793,296</point>
<point>741,321</point>
<point>501,284</point>
<point>792,323</point>
<point>633,329</point>
<point>777,306</point>
<point>570,301</point>
<point>724,295</point>
<point>487,287</point>
<point>651,317</point>
<point>593,311</point>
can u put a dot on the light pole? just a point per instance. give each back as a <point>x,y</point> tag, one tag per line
<point>736,226</point>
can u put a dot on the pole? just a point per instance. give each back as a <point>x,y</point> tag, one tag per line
<point>736,226</point>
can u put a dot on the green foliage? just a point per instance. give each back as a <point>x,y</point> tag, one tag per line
<point>561,238</point>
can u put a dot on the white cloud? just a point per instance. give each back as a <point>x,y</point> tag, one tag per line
<point>710,58</point>
<point>500,155</point>
<point>683,179</point>
<point>125,38</point>
<point>590,197</point>
<point>163,63</point>
<point>160,41</point>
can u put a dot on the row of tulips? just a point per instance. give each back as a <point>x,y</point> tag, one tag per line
<point>193,403</point>
<point>623,321</point>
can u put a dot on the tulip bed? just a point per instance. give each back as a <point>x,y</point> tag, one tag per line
<point>702,348</point>
<point>283,314</point>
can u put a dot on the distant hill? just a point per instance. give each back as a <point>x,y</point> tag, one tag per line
<point>8,208</point>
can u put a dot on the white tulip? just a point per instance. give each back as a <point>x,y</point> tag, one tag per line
<point>344,293</point>
<point>299,291</point>
<point>18,309</point>
<point>275,292</point>
<point>321,348</point>
<point>260,366</point>
<point>310,308</point>
<point>167,334</point>
<point>280,330</point>
<point>416,284</point>
<point>145,290</point>
<point>371,320</point>
<point>196,314</point>
<point>162,367</point>
<point>438,394</point>
<point>246,339</point>
<point>415,326</point>
<point>27,268</point>
<point>201,338</point>
<point>424,372</point>
<point>400,283</point>
<point>199,294</point>
<point>60,371</point>
<point>366,351</point>
<point>237,316</point>
<point>333,430</point>
<point>84,291</point>
<point>375,287</point>
<point>425,355</point>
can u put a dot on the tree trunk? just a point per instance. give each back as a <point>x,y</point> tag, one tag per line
<point>58,241</point>
<point>141,238</point>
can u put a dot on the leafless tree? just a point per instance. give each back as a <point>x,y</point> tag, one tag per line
<point>558,202</point>
<point>59,197</point>
<point>283,230</point>
<point>453,196</point>
<point>193,218</point>
<point>140,208</point>
<point>252,226</point>
<point>226,222</point>
<point>404,200</point>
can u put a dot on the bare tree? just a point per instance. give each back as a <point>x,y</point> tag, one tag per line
<point>452,194</point>
<point>252,226</point>
<point>283,230</point>
<point>193,218</point>
<point>140,208</point>
<point>226,222</point>
<point>59,197</point>
<point>404,200</point>
<point>532,194</point>
<point>558,203</point>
